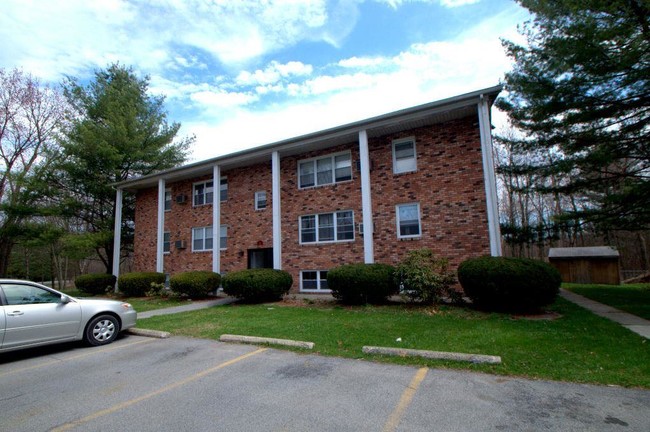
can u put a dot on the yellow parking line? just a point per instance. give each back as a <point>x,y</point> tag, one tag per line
<point>93,351</point>
<point>405,400</point>
<point>115,408</point>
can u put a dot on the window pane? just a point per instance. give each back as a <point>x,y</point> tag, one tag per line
<point>223,236</point>
<point>326,227</point>
<point>404,150</point>
<point>166,242</point>
<point>197,235</point>
<point>223,189</point>
<point>409,220</point>
<point>199,194</point>
<point>324,171</point>
<point>344,226</point>
<point>323,280</point>
<point>168,200</point>
<point>309,280</point>
<point>308,229</point>
<point>343,166</point>
<point>260,200</point>
<point>209,192</point>
<point>307,174</point>
<point>208,238</point>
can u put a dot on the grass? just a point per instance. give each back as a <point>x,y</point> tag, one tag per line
<point>578,346</point>
<point>633,298</point>
<point>140,304</point>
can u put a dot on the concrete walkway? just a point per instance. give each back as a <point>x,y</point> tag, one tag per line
<point>634,323</point>
<point>188,307</point>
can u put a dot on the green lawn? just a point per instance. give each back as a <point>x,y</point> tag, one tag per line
<point>140,304</point>
<point>634,298</point>
<point>578,346</point>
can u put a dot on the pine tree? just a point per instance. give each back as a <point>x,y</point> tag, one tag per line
<point>580,90</point>
<point>119,131</point>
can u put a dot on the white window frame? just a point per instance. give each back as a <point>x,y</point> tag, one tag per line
<point>258,195</point>
<point>319,280</point>
<point>222,229</point>
<point>204,237</point>
<point>205,186</point>
<point>332,157</point>
<point>397,220</point>
<point>168,199</point>
<point>335,227</point>
<point>415,155</point>
<point>168,242</point>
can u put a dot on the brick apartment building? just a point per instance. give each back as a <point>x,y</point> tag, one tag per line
<point>368,192</point>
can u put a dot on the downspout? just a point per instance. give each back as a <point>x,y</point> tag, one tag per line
<point>489,176</point>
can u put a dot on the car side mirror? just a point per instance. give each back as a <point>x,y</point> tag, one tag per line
<point>65,299</point>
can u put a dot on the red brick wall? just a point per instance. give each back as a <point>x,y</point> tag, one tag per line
<point>448,185</point>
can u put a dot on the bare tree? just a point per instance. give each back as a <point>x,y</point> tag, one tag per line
<point>31,116</point>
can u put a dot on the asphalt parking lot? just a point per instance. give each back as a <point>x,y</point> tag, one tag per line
<point>180,384</point>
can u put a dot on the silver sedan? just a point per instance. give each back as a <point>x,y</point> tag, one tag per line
<point>32,315</point>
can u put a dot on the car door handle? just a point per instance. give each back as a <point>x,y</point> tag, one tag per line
<point>16,313</point>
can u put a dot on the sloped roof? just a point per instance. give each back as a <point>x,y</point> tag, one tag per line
<point>583,252</point>
<point>422,115</point>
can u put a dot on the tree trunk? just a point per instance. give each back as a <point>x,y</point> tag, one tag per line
<point>6,245</point>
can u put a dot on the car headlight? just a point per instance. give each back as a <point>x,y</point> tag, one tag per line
<point>126,306</point>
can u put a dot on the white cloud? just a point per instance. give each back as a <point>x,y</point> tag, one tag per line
<point>355,88</point>
<point>273,73</point>
<point>446,3</point>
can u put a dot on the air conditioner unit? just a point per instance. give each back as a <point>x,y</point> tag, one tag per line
<point>180,244</point>
<point>181,199</point>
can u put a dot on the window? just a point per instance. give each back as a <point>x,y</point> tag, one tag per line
<point>167,242</point>
<point>168,199</point>
<point>325,170</point>
<point>313,280</point>
<point>408,220</point>
<point>28,294</point>
<point>223,189</point>
<point>404,156</point>
<point>203,193</point>
<point>202,238</point>
<point>327,227</point>
<point>223,237</point>
<point>260,200</point>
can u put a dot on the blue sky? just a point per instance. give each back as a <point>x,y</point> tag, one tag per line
<point>242,73</point>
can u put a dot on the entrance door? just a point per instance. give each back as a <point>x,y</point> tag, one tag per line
<point>260,258</point>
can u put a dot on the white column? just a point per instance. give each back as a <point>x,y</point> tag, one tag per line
<point>216,219</point>
<point>161,227</point>
<point>366,201</point>
<point>489,177</point>
<point>117,235</point>
<point>275,198</point>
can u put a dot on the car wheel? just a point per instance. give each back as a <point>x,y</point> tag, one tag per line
<point>102,330</point>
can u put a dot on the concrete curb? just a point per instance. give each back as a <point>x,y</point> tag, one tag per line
<point>148,333</point>
<point>435,355</point>
<point>262,340</point>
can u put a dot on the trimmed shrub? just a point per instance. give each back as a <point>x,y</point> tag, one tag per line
<point>137,284</point>
<point>195,284</point>
<point>362,283</point>
<point>95,283</point>
<point>509,284</point>
<point>257,285</point>
<point>423,278</point>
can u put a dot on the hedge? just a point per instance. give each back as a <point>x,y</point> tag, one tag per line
<point>195,284</point>
<point>362,283</point>
<point>138,283</point>
<point>509,284</point>
<point>257,285</point>
<point>95,283</point>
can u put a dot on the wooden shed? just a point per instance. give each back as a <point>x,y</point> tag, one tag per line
<point>591,265</point>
